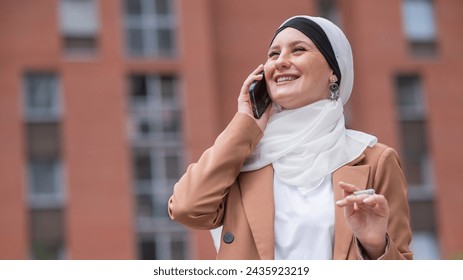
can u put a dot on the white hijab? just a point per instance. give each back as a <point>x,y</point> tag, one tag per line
<point>308,143</point>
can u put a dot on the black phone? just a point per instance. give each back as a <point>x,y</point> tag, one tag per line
<point>259,97</point>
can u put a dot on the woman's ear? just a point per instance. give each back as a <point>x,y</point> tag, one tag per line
<point>333,78</point>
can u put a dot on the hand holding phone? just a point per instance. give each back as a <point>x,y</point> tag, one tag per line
<point>259,97</point>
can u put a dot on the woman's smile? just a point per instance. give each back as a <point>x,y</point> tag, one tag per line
<point>285,78</point>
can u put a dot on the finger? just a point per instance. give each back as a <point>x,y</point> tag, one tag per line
<point>258,70</point>
<point>376,200</point>
<point>376,203</point>
<point>349,207</point>
<point>360,199</point>
<point>348,194</point>
<point>255,75</point>
<point>244,102</point>
<point>351,198</point>
<point>348,188</point>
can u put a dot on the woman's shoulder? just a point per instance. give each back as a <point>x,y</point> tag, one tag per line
<point>379,153</point>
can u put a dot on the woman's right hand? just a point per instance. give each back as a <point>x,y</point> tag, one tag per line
<point>244,101</point>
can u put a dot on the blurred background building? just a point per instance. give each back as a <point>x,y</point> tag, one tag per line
<point>103,104</point>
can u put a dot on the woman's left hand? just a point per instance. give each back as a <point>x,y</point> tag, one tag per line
<point>367,216</point>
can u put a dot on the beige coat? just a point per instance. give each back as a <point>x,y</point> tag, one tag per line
<point>213,192</point>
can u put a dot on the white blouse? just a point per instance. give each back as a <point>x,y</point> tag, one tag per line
<point>304,221</point>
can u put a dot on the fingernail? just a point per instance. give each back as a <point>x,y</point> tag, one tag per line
<point>368,199</point>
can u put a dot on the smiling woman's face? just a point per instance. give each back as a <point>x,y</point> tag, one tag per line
<point>296,71</point>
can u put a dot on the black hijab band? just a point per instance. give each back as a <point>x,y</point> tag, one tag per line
<point>314,32</point>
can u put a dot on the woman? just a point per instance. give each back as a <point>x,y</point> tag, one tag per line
<point>282,186</point>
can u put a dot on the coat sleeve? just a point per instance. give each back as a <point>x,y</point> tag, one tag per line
<point>199,197</point>
<point>390,181</point>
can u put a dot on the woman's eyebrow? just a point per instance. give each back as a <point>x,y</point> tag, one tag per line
<point>300,42</point>
<point>273,48</point>
<point>292,43</point>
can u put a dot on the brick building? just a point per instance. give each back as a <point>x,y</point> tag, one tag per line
<point>103,104</point>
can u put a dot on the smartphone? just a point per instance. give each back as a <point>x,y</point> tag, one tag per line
<point>259,97</point>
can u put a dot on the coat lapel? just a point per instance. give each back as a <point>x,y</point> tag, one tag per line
<point>357,175</point>
<point>259,206</point>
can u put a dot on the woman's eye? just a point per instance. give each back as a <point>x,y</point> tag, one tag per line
<point>272,54</point>
<point>299,49</point>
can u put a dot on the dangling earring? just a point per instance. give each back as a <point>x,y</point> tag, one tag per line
<point>334,90</point>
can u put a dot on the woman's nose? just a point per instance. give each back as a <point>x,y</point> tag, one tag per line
<point>283,61</point>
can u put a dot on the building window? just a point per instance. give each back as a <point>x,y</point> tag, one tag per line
<point>45,183</point>
<point>47,236</point>
<point>164,246</point>
<point>419,26</point>
<point>45,187</point>
<point>412,117</point>
<point>329,9</point>
<point>79,26</point>
<point>41,100</point>
<point>413,124</point>
<point>150,28</point>
<point>156,135</point>
<point>156,108</point>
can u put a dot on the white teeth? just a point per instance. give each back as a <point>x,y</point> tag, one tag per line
<point>286,78</point>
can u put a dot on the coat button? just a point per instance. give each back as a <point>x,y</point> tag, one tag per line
<point>228,238</point>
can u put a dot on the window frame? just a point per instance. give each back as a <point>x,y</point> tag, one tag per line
<point>413,112</point>
<point>422,41</point>
<point>83,39</point>
<point>150,23</point>
<point>153,222</point>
